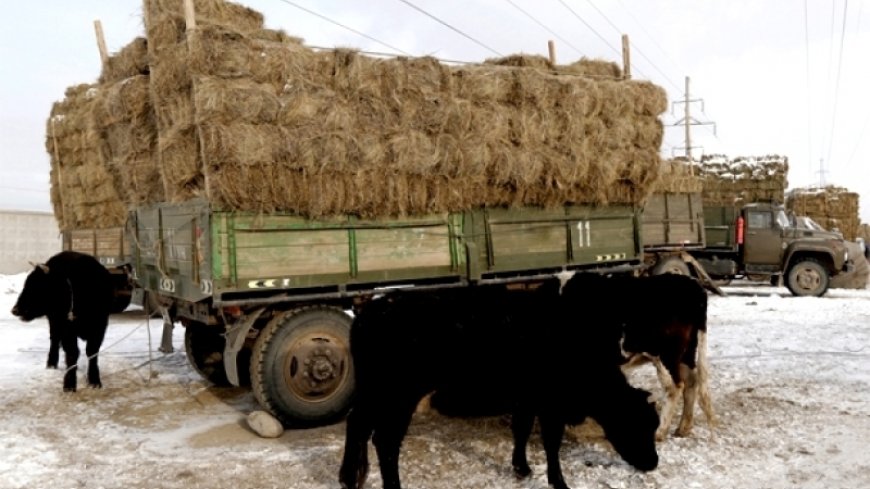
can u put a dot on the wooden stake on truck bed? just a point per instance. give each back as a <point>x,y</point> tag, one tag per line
<point>101,43</point>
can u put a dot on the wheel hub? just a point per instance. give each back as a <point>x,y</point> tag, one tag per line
<point>315,367</point>
<point>808,279</point>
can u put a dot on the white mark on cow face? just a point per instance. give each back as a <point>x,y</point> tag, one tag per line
<point>626,355</point>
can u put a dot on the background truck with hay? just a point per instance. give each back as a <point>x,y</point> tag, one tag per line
<point>760,241</point>
<point>748,233</point>
<point>268,187</point>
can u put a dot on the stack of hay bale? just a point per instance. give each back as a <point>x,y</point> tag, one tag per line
<point>831,206</point>
<point>678,175</point>
<point>101,139</point>
<point>743,179</point>
<point>126,121</point>
<point>835,208</point>
<point>252,120</point>
<point>84,192</point>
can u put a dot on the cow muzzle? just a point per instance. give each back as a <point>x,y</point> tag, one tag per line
<point>22,315</point>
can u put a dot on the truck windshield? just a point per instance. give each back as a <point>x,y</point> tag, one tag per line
<point>782,219</point>
<point>805,222</point>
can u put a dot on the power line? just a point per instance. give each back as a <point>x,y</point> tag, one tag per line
<point>650,36</point>
<point>809,99</point>
<point>454,29</point>
<point>551,31</point>
<point>839,72</point>
<point>618,30</point>
<point>590,28</point>
<point>860,140</point>
<point>351,29</point>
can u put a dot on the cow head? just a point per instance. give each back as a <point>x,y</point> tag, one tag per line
<point>33,300</point>
<point>630,422</point>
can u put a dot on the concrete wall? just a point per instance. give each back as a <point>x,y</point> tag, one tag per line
<point>26,236</point>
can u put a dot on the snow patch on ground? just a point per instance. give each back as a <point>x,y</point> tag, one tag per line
<point>789,379</point>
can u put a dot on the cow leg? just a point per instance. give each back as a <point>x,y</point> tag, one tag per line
<point>70,345</point>
<point>521,427</point>
<point>689,392</point>
<point>53,352</point>
<point>672,393</point>
<point>355,462</point>
<point>390,429</point>
<point>92,350</point>
<point>703,380</point>
<point>552,432</point>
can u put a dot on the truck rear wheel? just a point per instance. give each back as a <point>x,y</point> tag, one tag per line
<point>807,277</point>
<point>671,264</point>
<point>301,369</point>
<point>205,352</point>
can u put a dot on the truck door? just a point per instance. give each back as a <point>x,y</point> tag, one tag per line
<point>762,247</point>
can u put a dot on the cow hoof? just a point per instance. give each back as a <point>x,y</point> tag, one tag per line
<point>522,472</point>
<point>682,433</point>
<point>95,386</point>
<point>69,389</point>
<point>661,435</point>
<point>51,365</point>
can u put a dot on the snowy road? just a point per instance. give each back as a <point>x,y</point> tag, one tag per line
<point>790,382</point>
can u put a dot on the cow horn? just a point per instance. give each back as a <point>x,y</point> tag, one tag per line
<point>43,266</point>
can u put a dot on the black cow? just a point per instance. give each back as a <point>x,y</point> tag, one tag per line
<point>523,351</point>
<point>660,318</point>
<point>75,292</point>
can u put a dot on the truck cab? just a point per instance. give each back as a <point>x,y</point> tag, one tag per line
<point>760,241</point>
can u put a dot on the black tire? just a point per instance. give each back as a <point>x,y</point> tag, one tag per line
<point>671,264</point>
<point>205,351</point>
<point>807,277</point>
<point>301,369</point>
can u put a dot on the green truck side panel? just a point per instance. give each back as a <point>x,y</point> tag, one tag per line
<point>673,220</point>
<point>109,245</point>
<point>719,224</point>
<point>191,252</point>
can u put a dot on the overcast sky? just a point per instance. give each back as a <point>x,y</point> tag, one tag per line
<point>776,76</point>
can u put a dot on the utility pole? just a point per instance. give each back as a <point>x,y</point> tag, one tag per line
<point>688,121</point>
<point>822,172</point>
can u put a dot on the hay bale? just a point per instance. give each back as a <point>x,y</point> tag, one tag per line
<point>131,60</point>
<point>743,179</point>
<point>831,206</point>
<point>678,176</point>
<point>84,193</point>
<point>597,68</point>
<point>522,61</point>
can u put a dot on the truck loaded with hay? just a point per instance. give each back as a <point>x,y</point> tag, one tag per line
<point>749,234</point>
<point>267,188</point>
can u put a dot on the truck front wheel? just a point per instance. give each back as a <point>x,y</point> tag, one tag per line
<point>807,277</point>
<point>301,369</point>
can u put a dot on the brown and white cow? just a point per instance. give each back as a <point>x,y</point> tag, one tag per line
<point>660,319</point>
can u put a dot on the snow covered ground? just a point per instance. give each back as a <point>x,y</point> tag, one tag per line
<point>790,383</point>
